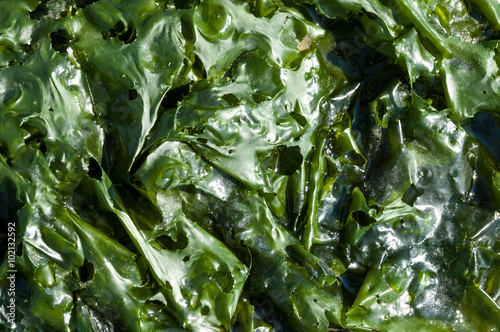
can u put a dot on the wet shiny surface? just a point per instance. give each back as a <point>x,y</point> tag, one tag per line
<point>188,165</point>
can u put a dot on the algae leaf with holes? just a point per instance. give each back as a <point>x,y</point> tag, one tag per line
<point>250,165</point>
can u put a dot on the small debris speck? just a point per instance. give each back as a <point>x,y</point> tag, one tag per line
<point>306,43</point>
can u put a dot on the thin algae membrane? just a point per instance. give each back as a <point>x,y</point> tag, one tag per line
<point>250,165</point>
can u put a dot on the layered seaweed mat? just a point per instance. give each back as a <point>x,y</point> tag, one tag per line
<point>258,165</point>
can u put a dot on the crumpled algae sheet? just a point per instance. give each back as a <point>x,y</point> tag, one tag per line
<point>250,165</point>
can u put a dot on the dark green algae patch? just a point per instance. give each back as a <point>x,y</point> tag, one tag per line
<point>181,165</point>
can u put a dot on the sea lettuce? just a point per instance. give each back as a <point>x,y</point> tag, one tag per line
<point>250,165</point>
